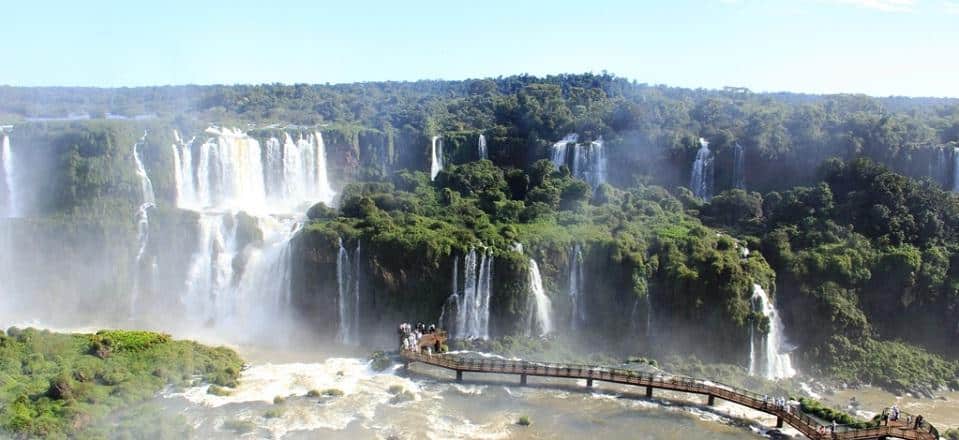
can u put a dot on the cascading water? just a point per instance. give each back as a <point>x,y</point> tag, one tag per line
<point>436,159</point>
<point>576,283</point>
<point>739,166</point>
<point>348,289</point>
<point>481,148</point>
<point>245,285</point>
<point>148,200</point>
<point>595,172</point>
<point>471,303</point>
<point>539,320</point>
<point>701,181</point>
<point>585,161</point>
<point>770,356</point>
<point>561,148</point>
<point>231,171</point>
<point>9,179</point>
<point>955,169</point>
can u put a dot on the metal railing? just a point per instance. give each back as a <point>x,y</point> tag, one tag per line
<point>808,425</point>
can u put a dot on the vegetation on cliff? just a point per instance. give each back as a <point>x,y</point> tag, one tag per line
<point>866,255</point>
<point>62,385</point>
<point>640,242</point>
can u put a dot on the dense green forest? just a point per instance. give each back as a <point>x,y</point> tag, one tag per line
<point>64,385</point>
<point>845,208</point>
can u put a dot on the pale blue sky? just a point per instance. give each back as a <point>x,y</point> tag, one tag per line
<point>879,47</point>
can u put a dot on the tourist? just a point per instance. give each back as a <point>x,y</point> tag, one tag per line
<point>918,421</point>
<point>908,420</point>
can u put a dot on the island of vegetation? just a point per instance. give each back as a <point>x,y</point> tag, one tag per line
<point>91,386</point>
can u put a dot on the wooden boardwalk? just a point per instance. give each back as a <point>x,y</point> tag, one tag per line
<point>805,424</point>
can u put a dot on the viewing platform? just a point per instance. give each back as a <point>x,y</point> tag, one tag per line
<point>807,425</point>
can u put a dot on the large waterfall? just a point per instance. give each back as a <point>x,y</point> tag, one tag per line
<point>576,284</point>
<point>701,181</point>
<point>769,357</point>
<point>232,282</point>
<point>585,161</point>
<point>147,201</point>
<point>466,311</point>
<point>539,319</point>
<point>739,166</point>
<point>9,179</point>
<point>229,170</point>
<point>436,158</point>
<point>348,289</point>
<point>481,148</point>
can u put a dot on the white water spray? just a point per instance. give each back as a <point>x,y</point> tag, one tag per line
<point>585,161</point>
<point>955,169</point>
<point>576,284</point>
<point>701,181</point>
<point>348,295</point>
<point>436,159</point>
<point>471,303</point>
<point>770,357</point>
<point>148,200</point>
<point>481,147</point>
<point>540,320</point>
<point>6,156</point>
<point>739,166</point>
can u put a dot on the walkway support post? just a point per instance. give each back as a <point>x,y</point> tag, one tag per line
<point>712,400</point>
<point>649,392</point>
<point>522,379</point>
<point>779,421</point>
<point>459,375</point>
<point>589,382</point>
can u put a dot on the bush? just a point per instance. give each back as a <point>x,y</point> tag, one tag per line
<point>332,392</point>
<point>273,413</point>
<point>239,426</point>
<point>217,390</point>
<point>279,400</point>
<point>524,421</point>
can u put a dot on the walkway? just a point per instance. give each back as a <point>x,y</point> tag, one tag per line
<point>802,422</point>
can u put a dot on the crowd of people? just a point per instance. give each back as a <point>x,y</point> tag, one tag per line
<point>410,337</point>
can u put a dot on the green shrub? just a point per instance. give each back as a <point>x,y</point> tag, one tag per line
<point>332,392</point>
<point>239,426</point>
<point>524,421</point>
<point>273,413</point>
<point>313,393</point>
<point>279,400</point>
<point>217,390</point>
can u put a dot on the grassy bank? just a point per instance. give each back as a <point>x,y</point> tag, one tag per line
<point>56,385</point>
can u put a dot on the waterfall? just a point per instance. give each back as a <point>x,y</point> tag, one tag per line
<point>348,290</point>
<point>540,308</point>
<point>481,148</point>
<point>9,178</point>
<point>585,161</point>
<point>246,286</point>
<point>436,160</point>
<point>576,283</point>
<point>770,357</point>
<point>739,166</point>
<point>148,199</point>
<point>701,181</point>
<point>471,303</point>
<point>560,149</point>
<point>955,169</point>
<point>233,172</point>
